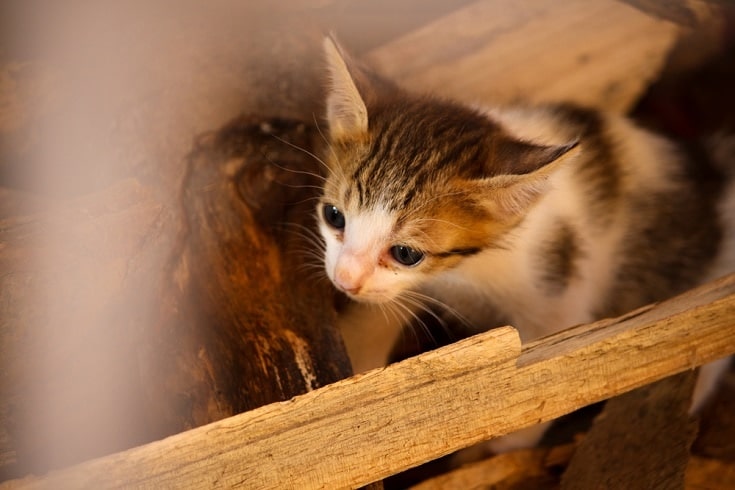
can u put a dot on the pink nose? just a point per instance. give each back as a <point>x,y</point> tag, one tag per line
<point>351,272</point>
<point>347,280</point>
<point>349,289</point>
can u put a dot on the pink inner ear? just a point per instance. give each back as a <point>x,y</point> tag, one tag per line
<point>352,270</point>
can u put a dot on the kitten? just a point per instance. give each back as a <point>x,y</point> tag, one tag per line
<point>549,217</point>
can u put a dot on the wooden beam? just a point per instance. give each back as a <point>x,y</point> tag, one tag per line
<point>367,427</point>
<point>600,53</point>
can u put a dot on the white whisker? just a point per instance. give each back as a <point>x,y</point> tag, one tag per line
<point>419,305</point>
<point>298,172</point>
<point>326,140</point>
<point>311,154</point>
<point>402,313</point>
<point>332,172</point>
<point>440,304</point>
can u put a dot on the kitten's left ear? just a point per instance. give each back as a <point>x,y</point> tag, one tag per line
<point>515,157</point>
<point>521,175</point>
<point>346,112</point>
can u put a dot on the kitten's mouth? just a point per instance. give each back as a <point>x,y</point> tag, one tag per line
<point>374,296</point>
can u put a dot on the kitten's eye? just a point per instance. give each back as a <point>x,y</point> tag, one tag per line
<point>334,216</point>
<point>406,255</point>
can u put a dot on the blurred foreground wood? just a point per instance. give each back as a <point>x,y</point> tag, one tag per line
<point>149,281</point>
<point>394,418</point>
<point>226,333</point>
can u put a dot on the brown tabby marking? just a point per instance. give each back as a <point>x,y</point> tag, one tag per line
<point>558,259</point>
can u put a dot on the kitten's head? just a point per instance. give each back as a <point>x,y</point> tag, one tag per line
<point>416,184</point>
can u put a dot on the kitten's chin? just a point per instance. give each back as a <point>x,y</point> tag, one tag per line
<point>369,297</point>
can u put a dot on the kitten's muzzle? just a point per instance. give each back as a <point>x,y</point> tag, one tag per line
<point>347,282</point>
<point>352,271</point>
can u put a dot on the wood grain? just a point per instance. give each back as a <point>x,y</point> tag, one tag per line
<point>703,474</point>
<point>648,432</point>
<point>364,428</point>
<point>600,53</point>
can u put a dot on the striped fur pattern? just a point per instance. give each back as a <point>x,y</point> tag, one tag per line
<point>547,217</point>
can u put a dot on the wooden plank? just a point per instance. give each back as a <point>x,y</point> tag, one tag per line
<point>366,24</point>
<point>642,439</point>
<point>600,53</point>
<point>526,468</point>
<point>364,428</point>
<point>704,474</point>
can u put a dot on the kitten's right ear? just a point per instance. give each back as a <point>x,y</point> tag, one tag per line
<point>525,178</point>
<point>346,112</point>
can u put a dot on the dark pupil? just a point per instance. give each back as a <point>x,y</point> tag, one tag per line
<point>406,255</point>
<point>334,216</point>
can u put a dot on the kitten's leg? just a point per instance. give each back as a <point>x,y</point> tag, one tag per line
<point>369,334</point>
<point>707,381</point>
<point>520,439</point>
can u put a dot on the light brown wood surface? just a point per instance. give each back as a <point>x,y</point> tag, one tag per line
<point>600,53</point>
<point>367,427</point>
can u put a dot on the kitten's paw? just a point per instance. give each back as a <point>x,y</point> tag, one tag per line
<point>708,381</point>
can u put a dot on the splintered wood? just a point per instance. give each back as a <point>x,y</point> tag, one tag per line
<point>391,419</point>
